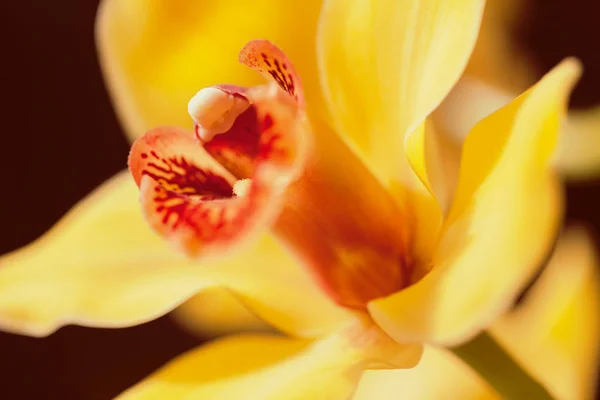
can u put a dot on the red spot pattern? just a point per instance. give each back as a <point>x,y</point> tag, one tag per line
<point>272,62</point>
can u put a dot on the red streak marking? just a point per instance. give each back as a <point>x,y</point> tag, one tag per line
<point>185,191</point>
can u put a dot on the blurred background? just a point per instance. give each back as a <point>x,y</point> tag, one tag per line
<point>61,139</point>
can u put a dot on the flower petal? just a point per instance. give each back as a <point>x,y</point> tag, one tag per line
<point>469,102</point>
<point>578,153</point>
<point>554,333</point>
<point>152,75</point>
<point>386,65</point>
<point>439,375</point>
<point>435,159</point>
<point>101,266</point>
<point>271,367</point>
<point>502,222</point>
<point>340,221</point>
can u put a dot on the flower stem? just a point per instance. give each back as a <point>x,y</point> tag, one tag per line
<point>499,369</point>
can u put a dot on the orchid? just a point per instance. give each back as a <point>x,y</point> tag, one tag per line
<point>498,71</point>
<point>321,199</point>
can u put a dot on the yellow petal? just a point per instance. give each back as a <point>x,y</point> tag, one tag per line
<point>270,367</point>
<point>217,312</point>
<point>554,333</point>
<point>386,65</point>
<point>156,54</point>
<point>578,153</point>
<point>439,375</point>
<point>102,266</point>
<point>501,224</point>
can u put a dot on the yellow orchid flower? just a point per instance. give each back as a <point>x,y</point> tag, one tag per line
<point>364,257</point>
<point>553,334</point>
<point>498,71</point>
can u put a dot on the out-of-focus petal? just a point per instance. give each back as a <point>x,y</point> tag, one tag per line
<point>439,375</point>
<point>271,367</point>
<point>554,333</point>
<point>99,266</point>
<point>502,222</point>
<point>155,54</point>
<point>342,221</point>
<point>216,312</point>
<point>102,266</point>
<point>386,65</point>
<point>468,102</point>
<point>578,153</point>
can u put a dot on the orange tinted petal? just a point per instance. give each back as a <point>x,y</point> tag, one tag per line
<point>343,224</point>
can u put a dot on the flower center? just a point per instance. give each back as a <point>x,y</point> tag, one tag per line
<point>336,217</point>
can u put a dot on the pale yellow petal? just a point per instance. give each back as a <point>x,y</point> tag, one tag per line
<point>386,65</point>
<point>278,290</point>
<point>156,54</point>
<point>102,266</point>
<point>270,367</point>
<point>578,153</point>
<point>439,375</point>
<point>501,225</point>
<point>469,102</point>
<point>554,333</point>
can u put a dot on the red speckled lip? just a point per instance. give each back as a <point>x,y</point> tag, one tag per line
<point>186,187</point>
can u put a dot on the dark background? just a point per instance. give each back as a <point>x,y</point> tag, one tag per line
<point>60,139</point>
